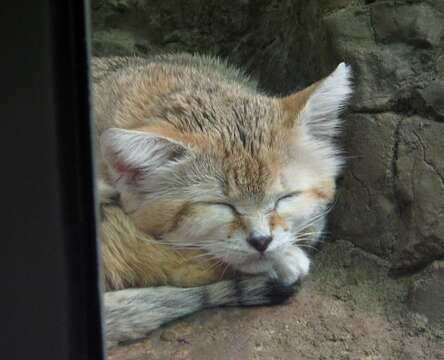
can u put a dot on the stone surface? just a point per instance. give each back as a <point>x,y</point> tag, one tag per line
<point>366,210</point>
<point>416,24</point>
<point>426,296</point>
<point>419,165</point>
<point>432,97</point>
<point>397,53</point>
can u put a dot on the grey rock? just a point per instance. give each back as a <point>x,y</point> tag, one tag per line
<point>366,209</point>
<point>418,24</point>
<point>351,23</point>
<point>419,165</point>
<point>433,98</point>
<point>426,295</point>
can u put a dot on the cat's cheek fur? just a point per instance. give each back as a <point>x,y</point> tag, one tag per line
<point>300,208</point>
<point>203,224</point>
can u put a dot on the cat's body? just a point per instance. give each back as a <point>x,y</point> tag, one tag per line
<point>132,258</point>
<point>203,161</point>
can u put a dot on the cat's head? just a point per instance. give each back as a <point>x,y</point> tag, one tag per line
<point>240,177</point>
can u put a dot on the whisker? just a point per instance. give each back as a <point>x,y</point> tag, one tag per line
<point>187,243</point>
<point>304,238</point>
<point>223,271</point>
<point>216,264</point>
<point>313,233</point>
<point>313,219</point>
<point>307,246</point>
<point>203,256</point>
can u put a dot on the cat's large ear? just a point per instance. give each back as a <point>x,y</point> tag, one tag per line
<point>135,155</point>
<point>314,110</point>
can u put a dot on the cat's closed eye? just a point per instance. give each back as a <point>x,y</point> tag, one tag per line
<point>280,201</point>
<point>226,205</point>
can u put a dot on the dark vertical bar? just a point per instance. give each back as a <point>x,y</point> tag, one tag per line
<point>50,296</point>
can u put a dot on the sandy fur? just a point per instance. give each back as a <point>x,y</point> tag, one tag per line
<point>132,258</point>
<point>204,166</point>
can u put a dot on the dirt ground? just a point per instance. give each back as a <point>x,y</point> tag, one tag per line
<point>349,308</point>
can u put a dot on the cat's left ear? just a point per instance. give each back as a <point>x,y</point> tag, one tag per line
<point>315,109</point>
<point>136,156</point>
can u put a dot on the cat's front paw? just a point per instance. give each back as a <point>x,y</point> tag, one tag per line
<point>291,265</point>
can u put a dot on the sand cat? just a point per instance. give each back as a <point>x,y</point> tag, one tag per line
<point>201,160</point>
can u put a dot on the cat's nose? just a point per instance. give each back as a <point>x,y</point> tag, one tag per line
<point>259,242</point>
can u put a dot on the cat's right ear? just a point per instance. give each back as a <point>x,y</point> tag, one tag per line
<point>136,155</point>
<point>314,111</point>
<point>313,115</point>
